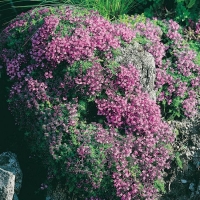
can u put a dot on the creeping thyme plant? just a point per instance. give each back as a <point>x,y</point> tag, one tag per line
<point>86,116</point>
<point>177,73</point>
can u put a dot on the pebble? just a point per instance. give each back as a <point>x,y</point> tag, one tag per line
<point>183,181</point>
<point>191,187</point>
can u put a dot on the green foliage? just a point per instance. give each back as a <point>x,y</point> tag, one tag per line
<point>188,3</point>
<point>152,6</point>
<point>65,28</point>
<point>182,13</point>
<point>76,66</point>
<point>170,148</point>
<point>110,9</point>
<point>176,132</point>
<point>74,140</point>
<point>186,9</point>
<point>175,108</point>
<point>160,186</point>
<point>148,12</point>
<point>115,52</point>
<point>183,10</point>
<point>113,66</point>
<point>92,164</point>
<point>82,107</point>
<point>195,46</point>
<point>178,160</point>
<point>68,150</point>
<point>142,40</point>
<point>132,21</point>
<point>135,171</point>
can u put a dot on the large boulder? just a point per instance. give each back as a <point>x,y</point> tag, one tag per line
<point>136,55</point>
<point>7,184</point>
<point>9,163</point>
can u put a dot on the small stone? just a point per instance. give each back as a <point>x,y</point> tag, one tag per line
<point>198,188</point>
<point>183,181</point>
<point>198,164</point>
<point>188,154</point>
<point>192,153</point>
<point>191,187</point>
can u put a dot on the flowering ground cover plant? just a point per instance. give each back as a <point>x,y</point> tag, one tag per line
<point>86,115</point>
<point>178,66</point>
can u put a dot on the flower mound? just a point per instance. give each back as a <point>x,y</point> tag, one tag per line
<point>83,114</point>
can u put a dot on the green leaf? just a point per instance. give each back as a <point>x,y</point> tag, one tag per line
<point>176,102</point>
<point>164,102</point>
<point>176,132</point>
<point>191,3</point>
<point>9,100</point>
<point>158,184</point>
<point>178,160</point>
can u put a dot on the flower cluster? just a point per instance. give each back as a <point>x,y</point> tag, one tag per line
<point>84,40</point>
<point>13,67</point>
<point>197,31</point>
<point>153,33</point>
<point>171,76</point>
<point>173,32</point>
<point>185,65</point>
<point>39,40</point>
<point>17,23</point>
<point>90,121</point>
<point>195,26</point>
<point>93,79</point>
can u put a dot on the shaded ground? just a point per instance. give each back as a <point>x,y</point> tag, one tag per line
<point>12,140</point>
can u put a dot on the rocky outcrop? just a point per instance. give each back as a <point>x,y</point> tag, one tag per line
<point>9,163</point>
<point>7,184</point>
<point>136,55</point>
<point>184,182</point>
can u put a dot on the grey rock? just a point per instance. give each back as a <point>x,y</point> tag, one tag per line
<point>7,184</point>
<point>9,162</point>
<point>135,54</point>
<point>187,144</point>
<point>191,187</point>
<point>196,159</point>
